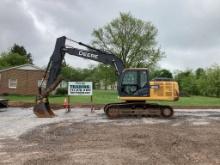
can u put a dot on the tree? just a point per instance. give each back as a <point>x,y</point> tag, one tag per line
<point>71,74</point>
<point>131,39</point>
<point>187,82</point>
<point>199,72</point>
<point>22,51</point>
<point>11,59</point>
<point>16,56</point>
<point>76,74</point>
<point>205,82</point>
<point>105,74</point>
<point>162,73</point>
<point>213,81</point>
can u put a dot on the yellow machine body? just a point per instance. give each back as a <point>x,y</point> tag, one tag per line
<point>159,91</point>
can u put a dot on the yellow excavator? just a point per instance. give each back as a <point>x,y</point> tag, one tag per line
<point>133,85</point>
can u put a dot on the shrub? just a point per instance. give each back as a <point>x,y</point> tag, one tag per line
<point>4,94</point>
<point>61,91</point>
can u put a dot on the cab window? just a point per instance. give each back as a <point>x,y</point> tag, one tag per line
<point>130,78</point>
<point>143,78</point>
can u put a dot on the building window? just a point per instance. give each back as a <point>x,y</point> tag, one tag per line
<point>12,83</point>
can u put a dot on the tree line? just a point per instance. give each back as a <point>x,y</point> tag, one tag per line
<point>134,42</point>
<point>201,81</point>
<point>204,82</point>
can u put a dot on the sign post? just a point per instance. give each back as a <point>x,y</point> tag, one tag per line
<point>68,110</point>
<point>81,89</point>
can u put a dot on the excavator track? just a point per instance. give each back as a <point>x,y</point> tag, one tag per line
<point>137,109</point>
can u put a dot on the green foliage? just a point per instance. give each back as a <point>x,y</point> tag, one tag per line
<point>131,39</point>
<point>210,82</point>
<point>11,59</point>
<point>199,72</point>
<point>22,51</point>
<point>94,74</point>
<point>61,91</point>
<point>16,56</point>
<point>71,74</point>
<point>201,82</point>
<point>186,82</point>
<point>105,74</point>
<point>161,73</point>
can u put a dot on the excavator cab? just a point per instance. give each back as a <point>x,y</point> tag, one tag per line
<point>134,82</point>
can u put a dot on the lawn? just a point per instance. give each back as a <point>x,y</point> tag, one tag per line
<point>103,97</point>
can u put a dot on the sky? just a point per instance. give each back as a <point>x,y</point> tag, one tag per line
<point>188,30</point>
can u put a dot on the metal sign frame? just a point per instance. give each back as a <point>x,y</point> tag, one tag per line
<point>80,88</point>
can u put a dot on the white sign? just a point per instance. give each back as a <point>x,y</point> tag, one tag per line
<point>79,88</point>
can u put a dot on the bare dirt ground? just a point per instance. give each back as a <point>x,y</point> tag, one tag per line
<point>81,137</point>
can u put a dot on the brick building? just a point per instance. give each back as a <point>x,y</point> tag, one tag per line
<point>23,79</point>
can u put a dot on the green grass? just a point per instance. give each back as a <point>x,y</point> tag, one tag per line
<point>103,97</point>
<point>195,101</point>
<point>27,99</point>
<point>99,97</point>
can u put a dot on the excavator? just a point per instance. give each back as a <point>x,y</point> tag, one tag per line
<point>133,85</point>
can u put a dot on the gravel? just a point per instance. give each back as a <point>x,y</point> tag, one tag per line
<point>16,121</point>
<point>81,137</point>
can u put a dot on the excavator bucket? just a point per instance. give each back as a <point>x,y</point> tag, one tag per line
<point>42,109</point>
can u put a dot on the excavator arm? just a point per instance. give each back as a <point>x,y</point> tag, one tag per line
<point>94,54</point>
<point>42,107</point>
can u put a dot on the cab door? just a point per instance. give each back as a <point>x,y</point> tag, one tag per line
<point>134,82</point>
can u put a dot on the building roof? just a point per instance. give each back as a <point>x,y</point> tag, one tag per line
<point>23,67</point>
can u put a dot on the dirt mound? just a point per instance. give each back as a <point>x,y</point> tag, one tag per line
<point>109,143</point>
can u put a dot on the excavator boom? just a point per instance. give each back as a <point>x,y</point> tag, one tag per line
<point>42,107</point>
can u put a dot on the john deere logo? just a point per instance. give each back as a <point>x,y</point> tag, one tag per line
<point>89,55</point>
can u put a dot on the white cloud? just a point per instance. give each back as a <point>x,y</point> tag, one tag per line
<point>189,31</point>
